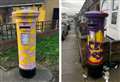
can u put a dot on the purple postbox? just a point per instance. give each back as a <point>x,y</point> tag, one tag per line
<point>95,38</point>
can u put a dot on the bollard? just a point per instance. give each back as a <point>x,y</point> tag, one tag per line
<point>26,39</point>
<point>95,40</point>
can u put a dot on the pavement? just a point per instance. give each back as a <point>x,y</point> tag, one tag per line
<point>72,70</point>
<point>70,58</point>
<point>42,75</point>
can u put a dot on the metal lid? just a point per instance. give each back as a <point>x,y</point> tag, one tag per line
<point>95,14</point>
<point>25,12</point>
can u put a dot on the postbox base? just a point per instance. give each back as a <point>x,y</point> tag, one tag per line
<point>95,71</point>
<point>27,73</point>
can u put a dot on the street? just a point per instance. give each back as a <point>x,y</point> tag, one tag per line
<point>71,67</point>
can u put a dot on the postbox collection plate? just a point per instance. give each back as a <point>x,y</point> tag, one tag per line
<point>25,38</point>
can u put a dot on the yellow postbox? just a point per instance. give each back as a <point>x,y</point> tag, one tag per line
<point>26,39</point>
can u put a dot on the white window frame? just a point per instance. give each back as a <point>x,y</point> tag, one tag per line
<point>115,8</point>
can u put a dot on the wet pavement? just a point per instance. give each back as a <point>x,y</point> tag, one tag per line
<point>70,59</point>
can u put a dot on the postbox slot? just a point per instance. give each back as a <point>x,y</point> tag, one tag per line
<point>92,24</point>
<point>24,27</point>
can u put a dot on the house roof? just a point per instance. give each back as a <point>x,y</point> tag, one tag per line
<point>9,3</point>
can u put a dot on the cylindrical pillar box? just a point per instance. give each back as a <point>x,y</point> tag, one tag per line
<point>26,39</point>
<point>95,40</point>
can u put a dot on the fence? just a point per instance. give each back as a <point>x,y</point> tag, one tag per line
<point>8,31</point>
<point>47,25</point>
<point>43,26</point>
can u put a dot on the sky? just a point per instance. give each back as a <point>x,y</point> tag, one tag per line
<point>71,7</point>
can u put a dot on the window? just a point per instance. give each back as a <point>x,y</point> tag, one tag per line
<point>114,18</point>
<point>115,5</point>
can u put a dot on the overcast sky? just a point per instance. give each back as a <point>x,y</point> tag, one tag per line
<point>71,6</point>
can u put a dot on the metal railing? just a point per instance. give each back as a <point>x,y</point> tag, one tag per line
<point>8,31</point>
<point>47,25</point>
<point>43,26</point>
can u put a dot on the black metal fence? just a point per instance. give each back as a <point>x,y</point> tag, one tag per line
<point>8,31</point>
<point>47,25</point>
<point>43,26</point>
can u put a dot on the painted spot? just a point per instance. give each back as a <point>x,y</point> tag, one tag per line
<point>21,58</point>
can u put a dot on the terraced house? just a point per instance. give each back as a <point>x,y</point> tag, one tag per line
<point>48,9</point>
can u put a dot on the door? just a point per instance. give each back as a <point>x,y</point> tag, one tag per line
<point>55,18</point>
<point>55,14</point>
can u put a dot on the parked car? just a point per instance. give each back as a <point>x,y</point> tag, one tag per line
<point>64,30</point>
